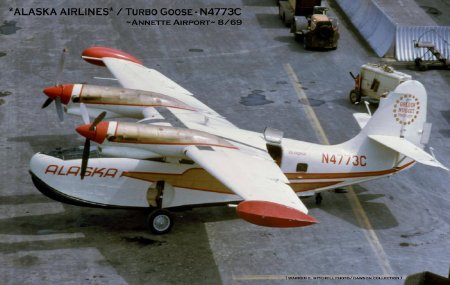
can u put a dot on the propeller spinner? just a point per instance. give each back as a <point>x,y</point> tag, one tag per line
<point>96,132</point>
<point>54,94</point>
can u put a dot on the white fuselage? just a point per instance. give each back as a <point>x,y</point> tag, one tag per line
<point>125,182</point>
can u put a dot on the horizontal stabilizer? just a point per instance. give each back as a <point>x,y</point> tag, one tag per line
<point>362,118</point>
<point>408,149</point>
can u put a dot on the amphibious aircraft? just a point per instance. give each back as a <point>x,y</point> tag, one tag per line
<point>208,160</point>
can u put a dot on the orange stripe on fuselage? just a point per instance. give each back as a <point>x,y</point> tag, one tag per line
<point>194,178</point>
<point>307,186</point>
<point>342,175</point>
<point>199,179</point>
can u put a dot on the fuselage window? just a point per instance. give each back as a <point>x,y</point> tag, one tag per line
<point>302,167</point>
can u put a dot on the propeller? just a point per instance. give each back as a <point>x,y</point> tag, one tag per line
<point>89,131</point>
<point>97,120</point>
<point>87,142</point>
<point>51,96</point>
<point>85,157</point>
<point>60,69</point>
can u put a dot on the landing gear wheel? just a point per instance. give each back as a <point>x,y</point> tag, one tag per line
<point>355,97</point>
<point>319,199</point>
<point>160,221</point>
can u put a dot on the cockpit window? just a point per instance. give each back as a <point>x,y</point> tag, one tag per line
<point>72,153</point>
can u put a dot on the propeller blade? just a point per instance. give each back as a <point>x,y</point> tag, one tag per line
<point>84,113</point>
<point>47,102</point>
<point>85,158</point>
<point>97,120</point>
<point>60,66</point>
<point>59,108</point>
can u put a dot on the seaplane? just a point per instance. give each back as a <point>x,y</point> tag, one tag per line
<point>180,153</point>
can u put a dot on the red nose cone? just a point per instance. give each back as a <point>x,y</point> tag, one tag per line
<point>98,135</point>
<point>64,92</point>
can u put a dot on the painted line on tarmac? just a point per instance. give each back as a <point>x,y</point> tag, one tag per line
<point>368,230</point>
<point>32,238</point>
<point>312,117</point>
<point>357,208</point>
<point>32,209</point>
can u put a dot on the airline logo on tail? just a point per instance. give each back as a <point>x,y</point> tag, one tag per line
<point>406,109</point>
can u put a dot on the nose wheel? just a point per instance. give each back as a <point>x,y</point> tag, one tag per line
<point>160,221</point>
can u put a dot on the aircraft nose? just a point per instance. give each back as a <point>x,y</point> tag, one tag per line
<point>98,134</point>
<point>64,92</point>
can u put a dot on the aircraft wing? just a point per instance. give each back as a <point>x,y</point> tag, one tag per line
<point>269,200</point>
<point>248,171</point>
<point>136,76</point>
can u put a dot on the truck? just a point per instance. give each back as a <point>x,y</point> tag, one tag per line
<point>374,81</point>
<point>316,31</point>
<point>292,8</point>
<point>310,23</point>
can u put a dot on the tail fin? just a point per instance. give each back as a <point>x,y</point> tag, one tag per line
<point>402,114</point>
<point>400,121</point>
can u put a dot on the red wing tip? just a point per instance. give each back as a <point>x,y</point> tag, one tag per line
<point>270,214</point>
<point>95,54</point>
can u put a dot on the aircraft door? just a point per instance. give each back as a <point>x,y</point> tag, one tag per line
<point>276,152</point>
<point>154,194</point>
<point>160,194</point>
<point>273,138</point>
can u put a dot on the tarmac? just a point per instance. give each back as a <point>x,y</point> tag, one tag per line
<point>390,227</point>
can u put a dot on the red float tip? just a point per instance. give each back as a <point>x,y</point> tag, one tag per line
<point>94,55</point>
<point>97,135</point>
<point>270,214</point>
<point>64,92</point>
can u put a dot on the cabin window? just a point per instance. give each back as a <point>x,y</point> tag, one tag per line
<point>302,167</point>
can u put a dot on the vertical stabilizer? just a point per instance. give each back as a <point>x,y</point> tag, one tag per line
<point>399,125</point>
<point>402,114</point>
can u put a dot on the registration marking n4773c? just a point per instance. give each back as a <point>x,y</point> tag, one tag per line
<point>344,159</point>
